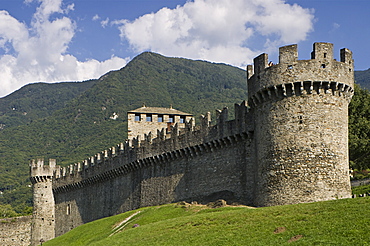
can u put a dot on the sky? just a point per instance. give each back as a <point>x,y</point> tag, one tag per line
<point>76,40</point>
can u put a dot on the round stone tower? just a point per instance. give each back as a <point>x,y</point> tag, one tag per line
<point>300,110</point>
<point>43,218</point>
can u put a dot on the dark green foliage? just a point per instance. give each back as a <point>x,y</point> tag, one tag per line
<point>71,121</point>
<point>38,100</point>
<point>361,174</point>
<point>363,78</point>
<point>364,189</point>
<point>359,129</point>
<point>7,211</point>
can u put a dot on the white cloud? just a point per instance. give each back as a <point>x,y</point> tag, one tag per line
<point>39,52</point>
<point>334,27</point>
<point>96,17</point>
<point>218,30</point>
<point>105,22</point>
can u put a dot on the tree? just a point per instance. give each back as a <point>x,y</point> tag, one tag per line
<point>359,129</point>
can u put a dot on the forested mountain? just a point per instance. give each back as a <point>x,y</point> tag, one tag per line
<point>73,121</point>
<point>38,100</point>
<point>363,78</point>
<point>70,124</point>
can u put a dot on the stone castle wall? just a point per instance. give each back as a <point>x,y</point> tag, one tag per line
<point>15,231</point>
<point>194,165</point>
<point>289,145</point>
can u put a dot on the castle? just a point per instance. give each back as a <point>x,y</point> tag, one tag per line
<point>288,144</point>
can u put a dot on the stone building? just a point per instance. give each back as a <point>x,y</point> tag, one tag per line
<point>288,144</point>
<point>150,119</point>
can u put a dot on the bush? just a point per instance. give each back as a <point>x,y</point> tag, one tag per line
<point>6,211</point>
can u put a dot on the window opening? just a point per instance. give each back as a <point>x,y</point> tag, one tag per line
<point>182,119</point>
<point>324,55</point>
<point>68,209</point>
<point>323,66</point>
<point>160,118</point>
<point>137,117</point>
<point>148,117</point>
<point>171,119</point>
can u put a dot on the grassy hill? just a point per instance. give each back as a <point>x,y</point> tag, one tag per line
<point>339,222</point>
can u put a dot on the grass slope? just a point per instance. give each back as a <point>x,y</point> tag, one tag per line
<point>339,222</point>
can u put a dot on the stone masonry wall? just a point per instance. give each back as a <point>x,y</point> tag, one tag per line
<point>300,108</point>
<point>303,159</point>
<point>15,231</point>
<point>141,127</point>
<point>43,225</point>
<point>192,164</point>
<point>209,174</point>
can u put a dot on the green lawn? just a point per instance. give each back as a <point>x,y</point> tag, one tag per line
<point>339,222</point>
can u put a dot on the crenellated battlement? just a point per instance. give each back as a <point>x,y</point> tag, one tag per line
<point>322,66</point>
<point>137,153</point>
<point>301,88</point>
<point>187,152</point>
<point>40,172</point>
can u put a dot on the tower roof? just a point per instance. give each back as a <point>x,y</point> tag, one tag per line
<point>158,110</point>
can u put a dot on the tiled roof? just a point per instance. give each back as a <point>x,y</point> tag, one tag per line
<point>158,110</point>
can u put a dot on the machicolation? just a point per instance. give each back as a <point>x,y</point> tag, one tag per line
<point>288,144</point>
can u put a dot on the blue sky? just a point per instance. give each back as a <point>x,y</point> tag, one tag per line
<point>76,40</point>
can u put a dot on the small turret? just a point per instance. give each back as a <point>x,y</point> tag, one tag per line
<point>43,221</point>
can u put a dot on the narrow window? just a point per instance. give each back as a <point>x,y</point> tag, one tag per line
<point>68,209</point>
<point>137,117</point>
<point>148,117</point>
<point>324,55</point>
<point>182,119</point>
<point>160,118</point>
<point>290,66</point>
<point>171,119</point>
<point>323,65</point>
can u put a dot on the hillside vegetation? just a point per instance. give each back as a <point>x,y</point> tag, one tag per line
<point>363,78</point>
<point>38,100</point>
<point>359,130</point>
<point>339,222</point>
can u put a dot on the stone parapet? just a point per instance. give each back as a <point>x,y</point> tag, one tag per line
<point>15,231</point>
<point>136,153</point>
